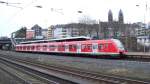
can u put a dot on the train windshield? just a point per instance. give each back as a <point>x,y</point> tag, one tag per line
<point>119,44</point>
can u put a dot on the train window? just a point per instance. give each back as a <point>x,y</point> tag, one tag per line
<point>106,45</point>
<point>24,47</point>
<point>28,47</point>
<point>70,46</point>
<point>75,46</point>
<point>44,46</point>
<point>37,47</point>
<point>100,46</point>
<point>89,46</point>
<point>50,46</point>
<point>32,47</point>
<point>21,47</point>
<point>63,46</point>
<point>83,46</point>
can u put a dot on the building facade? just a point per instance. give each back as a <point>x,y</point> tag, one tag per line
<point>143,36</point>
<point>38,31</point>
<point>101,30</point>
<point>30,34</point>
<point>60,32</point>
<point>45,33</point>
<point>50,33</point>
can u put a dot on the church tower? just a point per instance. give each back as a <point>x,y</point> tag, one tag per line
<point>121,17</point>
<point>110,16</point>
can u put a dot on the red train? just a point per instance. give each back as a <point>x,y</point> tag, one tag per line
<point>76,45</point>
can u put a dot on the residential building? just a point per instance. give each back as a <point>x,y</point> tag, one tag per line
<point>45,33</point>
<point>61,32</point>
<point>30,34</point>
<point>38,31</point>
<point>143,36</point>
<point>50,32</point>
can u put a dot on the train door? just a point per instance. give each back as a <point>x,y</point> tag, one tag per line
<point>51,48</point>
<point>37,47</point>
<point>95,47</point>
<point>101,47</point>
<point>73,48</point>
<point>86,47</point>
<point>55,48</point>
<point>66,47</point>
<point>61,47</point>
<point>44,48</point>
<point>28,48</point>
<point>23,47</point>
<point>32,47</point>
<point>78,47</point>
<point>40,47</point>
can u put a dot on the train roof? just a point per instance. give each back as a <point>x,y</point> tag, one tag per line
<point>81,38</point>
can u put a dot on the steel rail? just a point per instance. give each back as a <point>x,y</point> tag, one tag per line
<point>16,77</point>
<point>85,74</point>
<point>40,75</point>
<point>23,70</point>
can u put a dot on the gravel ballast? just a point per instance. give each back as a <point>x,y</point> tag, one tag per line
<point>133,69</point>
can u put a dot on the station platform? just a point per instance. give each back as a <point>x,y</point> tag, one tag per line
<point>138,54</point>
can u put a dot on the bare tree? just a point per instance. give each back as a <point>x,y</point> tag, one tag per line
<point>86,27</point>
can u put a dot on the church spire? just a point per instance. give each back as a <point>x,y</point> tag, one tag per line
<point>110,16</point>
<point>121,17</point>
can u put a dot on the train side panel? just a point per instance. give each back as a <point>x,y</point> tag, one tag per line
<point>92,47</point>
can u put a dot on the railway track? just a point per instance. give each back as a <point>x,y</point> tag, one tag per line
<point>127,57</point>
<point>36,77</point>
<point>16,79</point>
<point>83,75</point>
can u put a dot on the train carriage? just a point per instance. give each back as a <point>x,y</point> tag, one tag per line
<point>111,47</point>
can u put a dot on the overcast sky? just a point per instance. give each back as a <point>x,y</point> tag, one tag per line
<point>65,11</point>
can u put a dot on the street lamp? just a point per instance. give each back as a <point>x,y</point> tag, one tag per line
<point>145,25</point>
<point>79,11</point>
<point>38,6</point>
<point>52,9</point>
<point>10,4</point>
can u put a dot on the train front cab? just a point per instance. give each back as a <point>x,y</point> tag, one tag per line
<point>120,48</point>
<point>106,49</point>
